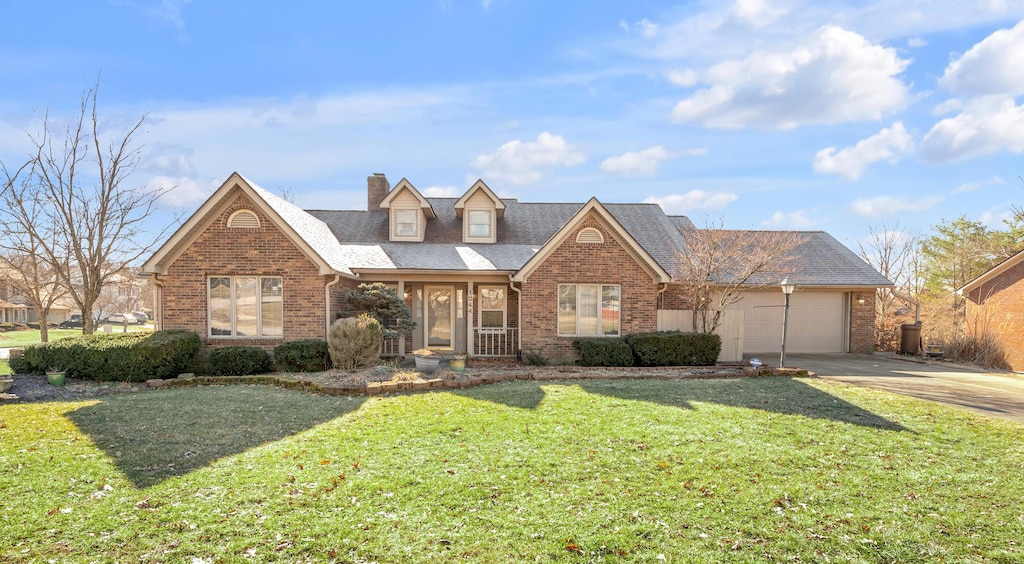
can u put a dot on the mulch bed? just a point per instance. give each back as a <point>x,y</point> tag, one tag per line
<point>380,379</point>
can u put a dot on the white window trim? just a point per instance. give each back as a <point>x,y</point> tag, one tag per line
<point>600,292</point>
<point>234,305</point>
<point>504,310</point>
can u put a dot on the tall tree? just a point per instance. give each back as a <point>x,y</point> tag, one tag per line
<point>893,253</point>
<point>719,266</point>
<point>73,199</point>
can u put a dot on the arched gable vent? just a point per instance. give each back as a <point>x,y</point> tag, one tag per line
<point>243,219</point>
<point>589,235</point>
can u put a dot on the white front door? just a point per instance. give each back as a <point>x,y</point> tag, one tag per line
<point>438,310</point>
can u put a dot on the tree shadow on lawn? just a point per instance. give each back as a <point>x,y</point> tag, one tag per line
<point>153,436</point>
<point>778,395</point>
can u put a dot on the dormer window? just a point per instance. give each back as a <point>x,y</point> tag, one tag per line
<point>406,223</point>
<point>479,224</point>
<point>479,209</point>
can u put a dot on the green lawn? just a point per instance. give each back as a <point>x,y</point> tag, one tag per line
<point>5,369</point>
<point>742,470</point>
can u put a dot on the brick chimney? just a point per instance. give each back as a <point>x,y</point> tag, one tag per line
<point>377,188</point>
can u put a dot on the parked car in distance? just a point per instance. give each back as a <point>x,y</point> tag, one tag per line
<point>141,316</point>
<point>74,322</point>
<point>122,319</point>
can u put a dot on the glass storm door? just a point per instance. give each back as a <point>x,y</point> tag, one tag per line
<point>438,315</point>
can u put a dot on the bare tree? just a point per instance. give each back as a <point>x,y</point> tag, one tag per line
<point>72,198</point>
<point>719,265</point>
<point>895,254</point>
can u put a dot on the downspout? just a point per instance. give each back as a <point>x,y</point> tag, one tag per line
<point>158,302</point>
<point>519,318</point>
<point>327,304</point>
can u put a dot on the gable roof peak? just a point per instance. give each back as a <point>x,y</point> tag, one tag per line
<point>405,185</point>
<point>480,186</point>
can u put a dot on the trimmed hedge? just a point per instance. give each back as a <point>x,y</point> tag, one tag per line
<point>603,352</point>
<point>127,357</point>
<point>310,355</point>
<point>238,361</point>
<point>673,348</point>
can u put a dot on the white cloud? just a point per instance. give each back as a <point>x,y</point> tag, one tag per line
<point>792,220</point>
<point>972,186</point>
<point>683,77</point>
<point>442,192</point>
<point>891,143</point>
<point>994,218</point>
<point>834,76</point>
<point>755,13</point>
<point>183,191</point>
<point>967,187</point>
<point>995,65</point>
<point>881,206</point>
<point>988,125</point>
<point>636,163</point>
<point>916,42</point>
<point>692,200</point>
<point>948,107</point>
<point>517,162</point>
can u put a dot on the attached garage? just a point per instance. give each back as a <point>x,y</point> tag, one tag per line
<point>818,321</point>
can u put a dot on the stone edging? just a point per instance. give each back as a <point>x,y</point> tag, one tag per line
<point>537,375</point>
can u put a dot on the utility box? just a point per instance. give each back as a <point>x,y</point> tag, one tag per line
<point>910,338</point>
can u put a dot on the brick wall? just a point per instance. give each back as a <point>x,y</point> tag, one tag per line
<point>862,321</point>
<point>582,263</point>
<point>995,310</point>
<point>264,251</point>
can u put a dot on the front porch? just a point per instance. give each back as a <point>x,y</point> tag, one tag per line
<point>479,317</point>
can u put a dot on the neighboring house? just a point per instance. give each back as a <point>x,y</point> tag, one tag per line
<point>483,274</point>
<point>995,308</point>
<point>15,309</point>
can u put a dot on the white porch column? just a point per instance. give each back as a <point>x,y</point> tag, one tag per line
<point>469,319</point>
<point>401,338</point>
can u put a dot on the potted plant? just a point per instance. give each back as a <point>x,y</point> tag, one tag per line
<point>426,360</point>
<point>458,362</point>
<point>55,375</point>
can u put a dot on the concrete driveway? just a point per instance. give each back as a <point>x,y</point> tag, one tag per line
<point>993,394</point>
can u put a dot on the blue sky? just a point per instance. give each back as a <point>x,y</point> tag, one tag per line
<point>755,114</point>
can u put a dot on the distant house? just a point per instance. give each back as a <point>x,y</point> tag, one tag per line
<point>487,275</point>
<point>16,309</point>
<point>995,308</point>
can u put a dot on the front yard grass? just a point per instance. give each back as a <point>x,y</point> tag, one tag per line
<point>621,471</point>
<point>24,337</point>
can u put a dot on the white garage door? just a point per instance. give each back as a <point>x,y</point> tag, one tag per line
<point>817,322</point>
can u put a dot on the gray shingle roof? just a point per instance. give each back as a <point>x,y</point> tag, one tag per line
<point>360,241</point>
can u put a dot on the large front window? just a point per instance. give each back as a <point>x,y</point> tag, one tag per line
<point>590,310</point>
<point>246,306</point>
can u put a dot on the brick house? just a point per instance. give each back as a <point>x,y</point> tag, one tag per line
<point>487,275</point>
<point>995,309</point>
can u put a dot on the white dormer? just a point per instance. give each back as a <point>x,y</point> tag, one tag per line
<point>480,210</point>
<point>408,212</point>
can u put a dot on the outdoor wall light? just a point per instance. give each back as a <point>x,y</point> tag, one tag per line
<point>787,290</point>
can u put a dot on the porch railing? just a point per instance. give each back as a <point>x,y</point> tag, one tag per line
<point>490,342</point>
<point>389,347</point>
